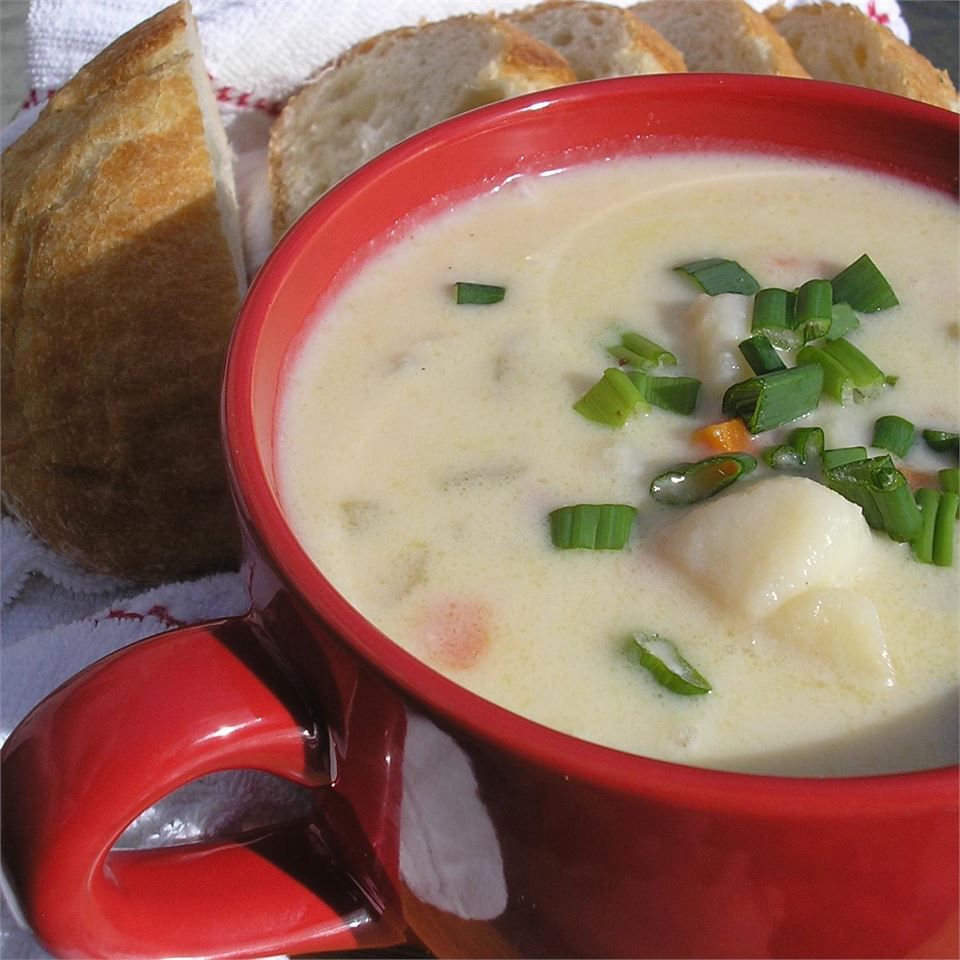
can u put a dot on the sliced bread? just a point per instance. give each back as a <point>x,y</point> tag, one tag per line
<point>722,36</point>
<point>841,43</point>
<point>121,276</point>
<point>599,39</point>
<point>391,86</point>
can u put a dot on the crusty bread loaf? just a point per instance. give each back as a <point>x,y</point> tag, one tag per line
<point>391,86</point>
<point>723,36</point>
<point>841,43</point>
<point>599,39</point>
<point>121,276</point>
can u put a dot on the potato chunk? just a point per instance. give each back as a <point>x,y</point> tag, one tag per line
<point>757,547</point>
<point>835,632</point>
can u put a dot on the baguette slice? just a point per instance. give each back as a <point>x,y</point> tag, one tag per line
<point>391,86</point>
<point>722,36</point>
<point>841,43</point>
<point>122,271</point>
<point>599,39</point>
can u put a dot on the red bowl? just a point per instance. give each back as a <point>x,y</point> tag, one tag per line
<point>439,817</point>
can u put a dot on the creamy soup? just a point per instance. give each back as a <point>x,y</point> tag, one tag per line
<point>422,445</point>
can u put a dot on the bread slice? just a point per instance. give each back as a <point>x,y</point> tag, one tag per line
<point>390,86</point>
<point>122,272</point>
<point>723,36</point>
<point>841,43</point>
<point>599,39</point>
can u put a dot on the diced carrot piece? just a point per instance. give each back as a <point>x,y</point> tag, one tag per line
<point>727,436</point>
<point>455,633</point>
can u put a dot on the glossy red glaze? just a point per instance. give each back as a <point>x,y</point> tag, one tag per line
<point>437,814</point>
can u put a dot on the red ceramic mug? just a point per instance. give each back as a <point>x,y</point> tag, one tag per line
<point>438,817</point>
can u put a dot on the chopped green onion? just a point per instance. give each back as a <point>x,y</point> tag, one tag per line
<point>661,659</point>
<point>843,320</point>
<point>676,394</point>
<point>692,482</point>
<point>840,455</point>
<point>848,373</point>
<point>928,500</point>
<point>774,399</point>
<point>592,526</point>
<point>611,400</point>
<point>943,529</point>
<point>814,310</point>
<point>760,353</point>
<point>803,445</point>
<point>950,479</point>
<point>864,287</point>
<point>883,494</point>
<point>478,292</point>
<point>638,351</point>
<point>894,434</point>
<point>716,275</point>
<point>773,311</point>
<point>943,441</point>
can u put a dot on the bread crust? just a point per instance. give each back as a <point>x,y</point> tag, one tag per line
<point>839,42</point>
<point>522,63</point>
<point>117,292</point>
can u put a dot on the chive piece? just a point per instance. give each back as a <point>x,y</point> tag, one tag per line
<point>664,662</point>
<point>591,526</point>
<point>690,483</point>
<point>942,441</point>
<point>773,314</point>
<point>841,455</point>
<point>760,353</point>
<point>928,500</point>
<point>804,445</point>
<point>774,399</point>
<point>867,377</point>
<point>814,310</point>
<point>837,382</point>
<point>676,394</point>
<point>716,275</point>
<point>641,352</point>
<point>843,320</point>
<point>950,479</point>
<point>943,529</point>
<point>611,400</point>
<point>848,373</point>
<point>883,494</point>
<point>480,293</point>
<point>894,434</point>
<point>864,287</point>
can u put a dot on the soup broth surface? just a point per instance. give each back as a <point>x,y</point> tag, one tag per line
<point>421,445</point>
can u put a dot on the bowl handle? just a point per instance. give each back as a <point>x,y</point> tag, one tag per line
<point>126,732</point>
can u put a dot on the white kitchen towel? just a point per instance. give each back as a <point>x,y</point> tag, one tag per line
<point>56,618</point>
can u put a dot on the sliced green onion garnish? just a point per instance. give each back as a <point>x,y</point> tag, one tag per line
<point>804,445</point>
<point>692,482</point>
<point>592,526</point>
<point>760,353</point>
<point>661,659</point>
<point>468,292</point>
<point>943,441</point>
<point>866,375</point>
<point>864,287</point>
<point>676,394</point>
<point>883,494</point>
<point>715,275</point>
<point>814,310</point>
<point>950,479</point>
<point>840,455</point>
<point>837,382</point>
<point>774,399</point>
<point>611,400</point>
<point>641,352</point>
<point>943,529</point>
<point>843,320</point>
<point>773,314</point>
<point>928,500</point>
<point>848,373</point>
<point>894,434</point>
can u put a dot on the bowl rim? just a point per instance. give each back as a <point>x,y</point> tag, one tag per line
<point>565,754</point>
